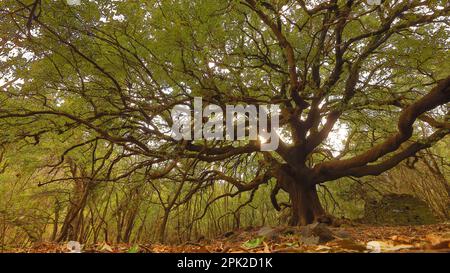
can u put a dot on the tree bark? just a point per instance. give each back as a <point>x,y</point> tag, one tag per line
<point>163,226</point>
<point>305,204</point>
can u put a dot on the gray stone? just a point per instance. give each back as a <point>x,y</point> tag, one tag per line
<point>319,230</point>
<point>268,233</point>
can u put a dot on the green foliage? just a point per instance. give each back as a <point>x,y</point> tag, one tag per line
<point>86,93</point>
<point>253,243</point>
<point>133,249</point>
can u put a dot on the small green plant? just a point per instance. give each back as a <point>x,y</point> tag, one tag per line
<point>253,243</point>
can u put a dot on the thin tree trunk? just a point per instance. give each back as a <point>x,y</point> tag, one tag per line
<point>163,225</point>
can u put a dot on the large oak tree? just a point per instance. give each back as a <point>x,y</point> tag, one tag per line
<point>114,69</point>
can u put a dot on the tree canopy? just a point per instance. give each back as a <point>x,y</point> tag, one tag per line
<point>361,88</point>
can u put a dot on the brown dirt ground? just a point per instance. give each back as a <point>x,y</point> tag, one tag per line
<point>350,238</point>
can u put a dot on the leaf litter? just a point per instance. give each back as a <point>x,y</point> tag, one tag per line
<point>310,239</point>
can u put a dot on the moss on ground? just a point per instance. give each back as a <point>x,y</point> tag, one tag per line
<point>398,209</point>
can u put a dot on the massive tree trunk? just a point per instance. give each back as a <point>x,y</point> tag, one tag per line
<point>305,203</point>
<point>306,207</point>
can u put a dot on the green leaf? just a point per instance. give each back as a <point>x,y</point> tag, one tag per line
<point>134,249</point>
<point>253,243</point>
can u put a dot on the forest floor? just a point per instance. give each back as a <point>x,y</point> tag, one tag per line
<point>312,238</point>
